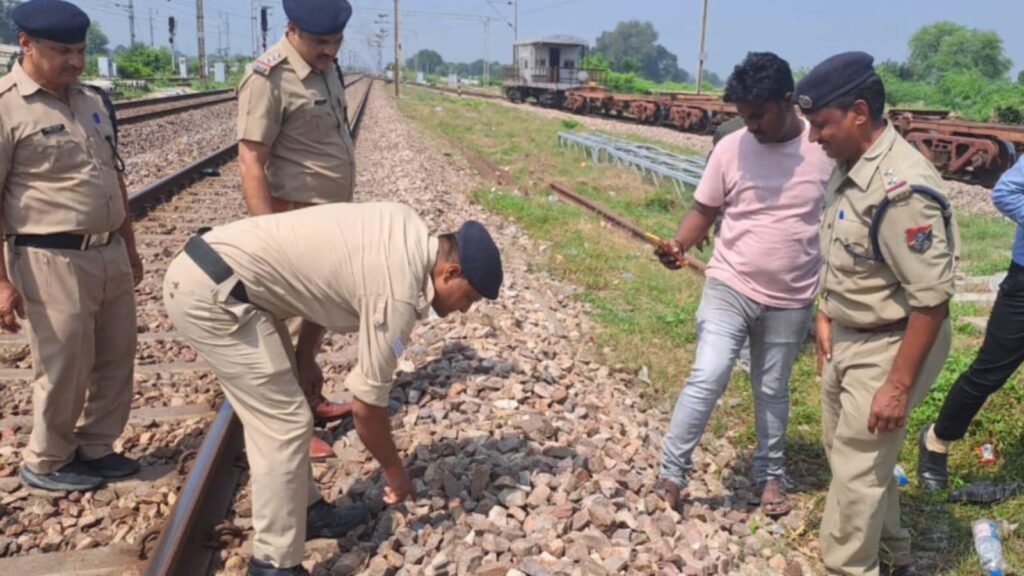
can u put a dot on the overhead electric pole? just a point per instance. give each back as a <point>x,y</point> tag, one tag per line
<point>398,56</point>
<point>131,20</point>
<point>700,62</point>
<point>151,42</point>
<point>252,28</point>
<point>201,34</point>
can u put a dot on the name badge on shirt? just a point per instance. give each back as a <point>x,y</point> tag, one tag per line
<point>55,129</point>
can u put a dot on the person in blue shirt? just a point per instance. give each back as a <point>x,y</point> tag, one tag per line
<point>1002,351</point>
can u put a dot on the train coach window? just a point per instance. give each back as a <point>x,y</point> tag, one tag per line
<point>543,62</point>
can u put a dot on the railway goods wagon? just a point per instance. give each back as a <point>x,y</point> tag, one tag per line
<point>544,68</point>
<point>976,152</point>
<point>546,71</point>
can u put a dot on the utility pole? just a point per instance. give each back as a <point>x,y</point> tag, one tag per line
<point>131,20</point>
<point>264,25</point>
<point>487,51</point>
<point>201,34</point>
<point>252,27</point>
<point>700,62</point>
<point>151,42</point>
<point>515,27</point>
<point>227,33</point>
<point>398,56</point>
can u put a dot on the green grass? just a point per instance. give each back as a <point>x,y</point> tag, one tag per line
<point>645,314</point>
<point>985,243</point>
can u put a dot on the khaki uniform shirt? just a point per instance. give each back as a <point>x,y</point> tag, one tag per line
<point>919,252</point>
<point>300,113</point>
<point>57,166</point>
<point>362,268</point>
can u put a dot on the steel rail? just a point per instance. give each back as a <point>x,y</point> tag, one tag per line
<point>143,102</point>
<point>616,220</point>
<point>188,544</point>
<point>184,107</point>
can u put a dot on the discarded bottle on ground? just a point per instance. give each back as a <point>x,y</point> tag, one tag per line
<point>901,475</point>
<point>987,544</point>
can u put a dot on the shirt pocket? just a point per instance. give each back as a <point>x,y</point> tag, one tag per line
<point>851,249</point>
<point>54,152</point>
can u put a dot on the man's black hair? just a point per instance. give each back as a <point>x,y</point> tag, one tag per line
<point>762,77</point>
<point>871,91</point>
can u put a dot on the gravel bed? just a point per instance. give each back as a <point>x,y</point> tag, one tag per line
<point>529,456</point>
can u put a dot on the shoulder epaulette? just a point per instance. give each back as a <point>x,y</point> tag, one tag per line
<point>264,64</point>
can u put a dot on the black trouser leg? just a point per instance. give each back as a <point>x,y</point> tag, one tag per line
<point>1001,354</point>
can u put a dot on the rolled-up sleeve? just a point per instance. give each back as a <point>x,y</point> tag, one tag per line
<point>914,241</point>
<point>1008,193</point>
<point>384,328</point>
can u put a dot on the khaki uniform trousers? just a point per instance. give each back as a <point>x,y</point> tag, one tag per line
<point>862,510</point>
<point>80,307</point>
<point>251,354</point>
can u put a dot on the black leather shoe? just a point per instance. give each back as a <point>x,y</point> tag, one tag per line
<point>261,568</point>
<point>931,466</point>
<point>112,465</point>
<point>326,521</point>
<point>70,477</point>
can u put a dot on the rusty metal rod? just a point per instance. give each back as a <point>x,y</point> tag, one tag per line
<point>187,542</point>
<point>626,225</point>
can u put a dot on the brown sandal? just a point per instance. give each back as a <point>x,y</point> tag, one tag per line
<point>774,500</point>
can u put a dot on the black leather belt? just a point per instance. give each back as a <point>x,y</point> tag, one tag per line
<point>890,327</point>
<point>62,240</point>
<point>214,266</point>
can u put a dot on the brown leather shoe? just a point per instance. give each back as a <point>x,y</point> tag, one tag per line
<point>668,491</point>
<point>319,449</point>
<point>326,411</point>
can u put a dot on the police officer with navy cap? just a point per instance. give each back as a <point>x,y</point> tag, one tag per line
<point>370,268</point>
<point>294,146</point>
<point>71,262</point>
<point>889,244</point>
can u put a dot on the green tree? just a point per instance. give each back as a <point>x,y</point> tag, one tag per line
<point>1020,77</point>
<point>946,47</point>
<point>428,61</point>
<point>141,61</point>
<point>633,47</point>
<point>96,40</point>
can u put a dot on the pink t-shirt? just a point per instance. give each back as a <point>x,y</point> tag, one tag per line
<point>772,196</point>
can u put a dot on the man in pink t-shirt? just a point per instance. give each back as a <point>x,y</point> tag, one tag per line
<point>768,183</point>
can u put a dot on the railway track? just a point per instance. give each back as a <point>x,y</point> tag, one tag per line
<point>169,518</point>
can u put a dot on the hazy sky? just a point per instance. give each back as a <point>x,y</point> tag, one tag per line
<point>802,31</point>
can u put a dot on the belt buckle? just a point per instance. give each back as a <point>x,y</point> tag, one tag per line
<point>90,240</point>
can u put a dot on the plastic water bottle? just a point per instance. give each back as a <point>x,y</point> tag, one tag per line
<point>989,547</point>
<point>901,475</point>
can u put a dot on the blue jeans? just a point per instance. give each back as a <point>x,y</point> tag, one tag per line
<point>725,321</point>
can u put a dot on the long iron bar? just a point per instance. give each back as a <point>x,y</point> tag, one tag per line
<point>632,229</point>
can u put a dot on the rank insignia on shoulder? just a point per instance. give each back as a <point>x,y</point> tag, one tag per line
<point>897,190</point>
<point>919,238</point>
<point>266,63</point>
<point>55,129</point>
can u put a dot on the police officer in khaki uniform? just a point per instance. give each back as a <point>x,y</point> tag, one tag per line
<point>889,242</point>
<point>294,146</point>
<point>371,269</point>
<point>70,254</point>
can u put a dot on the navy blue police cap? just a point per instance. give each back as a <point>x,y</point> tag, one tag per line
<point>54,20</point>
<point>319,17</point>
<point>480,259</point>
<point>833,78</point>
